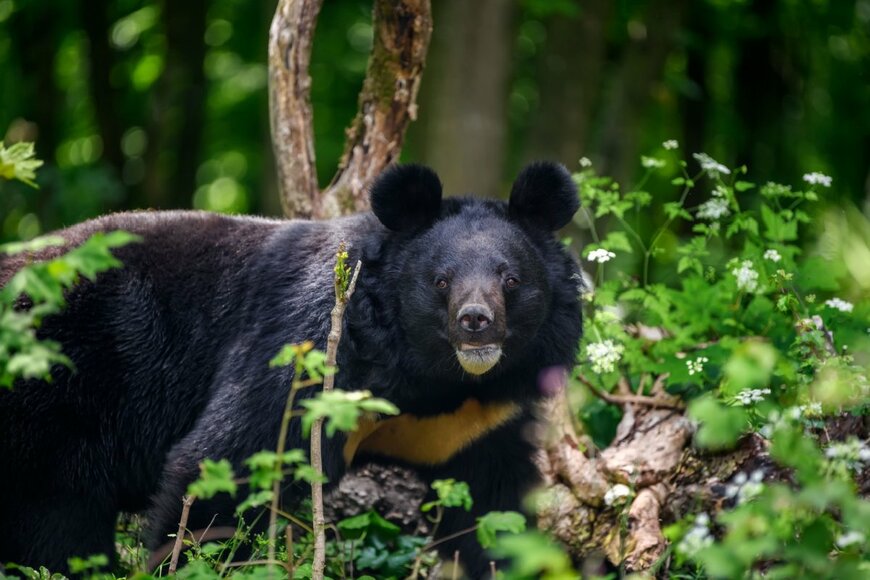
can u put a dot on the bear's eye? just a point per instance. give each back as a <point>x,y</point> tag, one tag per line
<point>441,282</point>
<point>511,282</point>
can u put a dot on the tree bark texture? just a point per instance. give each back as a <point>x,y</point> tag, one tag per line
<point>387,104</point>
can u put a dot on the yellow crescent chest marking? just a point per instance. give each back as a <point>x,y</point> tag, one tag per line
<point>428,440</point>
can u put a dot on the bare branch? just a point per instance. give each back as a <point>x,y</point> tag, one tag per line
<point>318,523</point>
<point>628,399</point>
<point>182,529</point>
<point>290,40</point>
<point>387,103</point>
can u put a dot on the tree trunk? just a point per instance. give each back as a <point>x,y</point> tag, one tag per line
<point>175,130</point>
<point>570,68</point>
<point>462,127</point>
<point>633,88</point>
<point>95,21</point>
<point>387,104</point>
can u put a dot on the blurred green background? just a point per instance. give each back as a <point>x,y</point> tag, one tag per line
<point>163,104</point>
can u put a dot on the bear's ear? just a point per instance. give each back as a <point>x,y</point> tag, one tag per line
<point>406,197</point>
<point>545,195</point>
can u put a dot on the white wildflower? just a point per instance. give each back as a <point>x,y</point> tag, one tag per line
<point>720,191</point>
<point>838,304</point>
<point>772,255</point>
<point>670,144</point>
<point>852,453</point>
<point>600,255</point>
<point>697,365</point>
<point>713,209</point>
<point>697,538</point>
<point>651,162</point>
<point>744,488</point>
<point>812,409</point>
<point>749,396</point>
<point>710,165</point>
<point>816,178</point>
<point>850,538</point>
<point>604,355</point>
<point>585,162</point>
<point>747,277</point>
<point>617,494</point>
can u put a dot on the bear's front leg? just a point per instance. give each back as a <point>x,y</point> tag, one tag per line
<point>499,471</point>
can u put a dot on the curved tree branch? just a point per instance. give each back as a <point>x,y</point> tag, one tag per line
<point>290,40</point>
<point>387,103</point>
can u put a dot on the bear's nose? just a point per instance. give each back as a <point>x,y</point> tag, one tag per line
<point>474,317</point>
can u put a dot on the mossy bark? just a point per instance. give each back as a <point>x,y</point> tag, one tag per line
<point>387,104</point>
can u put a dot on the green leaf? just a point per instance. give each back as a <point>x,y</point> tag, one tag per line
<point>451,493</point>
<point>255,499</point>
<point>534,555</point>
<point>616,241</point>
<point>215,477</point>
<point>720,426</point>
<point>776,227</point>
<point>342,409</point>
<point>368,523</point>
<point>743,185</point>
<point>19,162</point>
<point>493,522</point>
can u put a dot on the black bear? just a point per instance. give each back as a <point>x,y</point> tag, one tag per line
<point>462,306</point>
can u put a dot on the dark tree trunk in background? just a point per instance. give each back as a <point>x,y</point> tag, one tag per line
<point>634,86</point>
<point>35,36</point>
<point>462,130</point>
<point>177,108</point>
<point>569,80</point>
<point>96,23</point>
<point>763,93</point>
<point>694,96</point>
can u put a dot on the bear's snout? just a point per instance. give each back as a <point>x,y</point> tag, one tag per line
<point>475,317</point>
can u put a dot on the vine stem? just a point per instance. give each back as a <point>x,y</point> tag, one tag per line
<point>342,297</point>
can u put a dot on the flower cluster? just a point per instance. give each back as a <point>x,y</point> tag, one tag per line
<point>670,144</point>
<point>600,255</point>
<point>585,162</point>
<point>710,165</point>
<point>745,487</point>
<point>604,355</point>
<point>816,178</point>
<point>749,396</point>
<point>652,162</point>
<point>617,494</point>
<point>772,255</point>
<point>838,304</point>
<point>747,277</point>
<point>697,365</point>
<point>697,538</point>
<point>714,209</point>
<point>853,453</point>
<point>850,539</point>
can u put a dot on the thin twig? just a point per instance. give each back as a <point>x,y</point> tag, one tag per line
<point>632,399</point>
<point>455,574</point>
<point>341,300</point>
<point>186,502</point>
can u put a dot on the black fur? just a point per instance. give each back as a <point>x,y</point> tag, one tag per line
<point>544,193</point>
<point>406,197</point>
<point>171,355</point>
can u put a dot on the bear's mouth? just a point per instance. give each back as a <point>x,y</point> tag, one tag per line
<point>477,359</point>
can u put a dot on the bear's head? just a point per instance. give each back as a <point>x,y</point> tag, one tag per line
<point>475,280</point>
